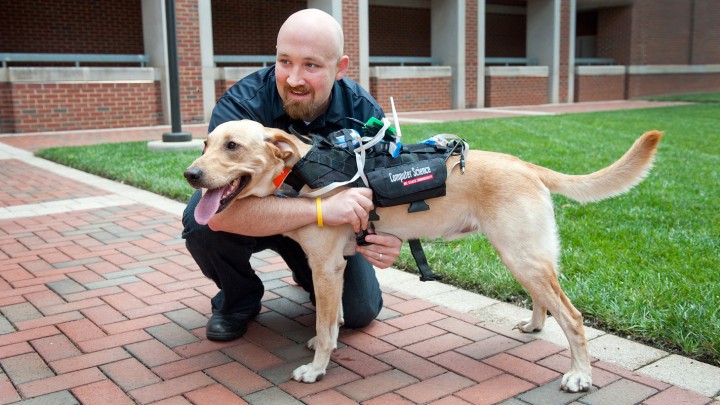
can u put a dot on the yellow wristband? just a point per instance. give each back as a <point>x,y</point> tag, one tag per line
<point>318,209</point>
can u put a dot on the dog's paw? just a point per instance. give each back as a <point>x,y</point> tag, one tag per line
<point>575,381</point>
<point>527,326</point>
<point>307,374</point>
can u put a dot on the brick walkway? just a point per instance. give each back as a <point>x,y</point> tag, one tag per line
<point>100,303</point>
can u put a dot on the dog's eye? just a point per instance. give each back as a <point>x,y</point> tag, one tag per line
<point>231,145</point>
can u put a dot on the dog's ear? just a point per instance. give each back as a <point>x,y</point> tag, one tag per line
<point>282,146</point>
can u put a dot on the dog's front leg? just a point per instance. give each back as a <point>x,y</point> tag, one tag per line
<point>328,292</point>
<point>326,260</point>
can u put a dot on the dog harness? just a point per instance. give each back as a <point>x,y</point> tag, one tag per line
<point>408,174</point>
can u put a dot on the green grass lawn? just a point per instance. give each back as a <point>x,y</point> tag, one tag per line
<point>643,265</point>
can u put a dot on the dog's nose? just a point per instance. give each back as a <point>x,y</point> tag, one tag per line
<point>193,174</point>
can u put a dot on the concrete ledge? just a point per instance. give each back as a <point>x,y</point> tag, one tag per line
<point>684,372</point>
<point>160,146</point>
<point>81,74</point>
<point>234,73</point>
<point>600,70</point>
<point>623,352</point>
<point>672,69</point>
<point>511,71</point>
<point>410,72</point>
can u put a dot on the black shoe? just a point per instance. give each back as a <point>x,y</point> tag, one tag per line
<point>223,327</point>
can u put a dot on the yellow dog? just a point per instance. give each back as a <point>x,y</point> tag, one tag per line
<point>507,199</point>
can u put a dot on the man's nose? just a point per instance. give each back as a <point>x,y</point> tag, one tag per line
<point>295,77</point>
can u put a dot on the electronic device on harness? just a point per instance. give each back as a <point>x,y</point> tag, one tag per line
<point>398,174</point>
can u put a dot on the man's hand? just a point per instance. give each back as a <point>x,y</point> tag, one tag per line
<point>349,206</point>
<point>383,251</point>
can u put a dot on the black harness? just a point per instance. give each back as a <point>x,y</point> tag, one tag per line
<point>417,173</point>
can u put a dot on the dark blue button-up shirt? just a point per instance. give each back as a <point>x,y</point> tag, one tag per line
<point>256,97</point>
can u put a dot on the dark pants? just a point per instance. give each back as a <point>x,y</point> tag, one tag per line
<point>225,258</point>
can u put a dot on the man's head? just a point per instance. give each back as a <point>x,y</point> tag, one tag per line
<point>309,60</point>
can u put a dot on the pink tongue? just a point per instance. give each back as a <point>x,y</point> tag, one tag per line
<point>208,206</point>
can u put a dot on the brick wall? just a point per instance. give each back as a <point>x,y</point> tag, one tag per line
<point>614,33</point>
<point>661,32</point>
<point>599,87</point>
<point>662,84</point>
<point>351,31</point>
<point>706,32</point>
<point>505,35</point>
<point>249,27</point>
<point>39,107</point>
<point>471,53</point>
<point>189,62</point>
<point>71,26</point>
<point>563,67</point>
<point>515,90</point>
<point>413,94</point>
<point>399,31</point>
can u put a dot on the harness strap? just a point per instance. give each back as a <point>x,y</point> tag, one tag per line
<point>426,273</point>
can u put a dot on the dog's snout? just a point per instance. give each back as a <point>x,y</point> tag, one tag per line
<point>193,174</point>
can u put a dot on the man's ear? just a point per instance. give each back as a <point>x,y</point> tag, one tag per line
<point>282,146</point>
<point>342,67</point>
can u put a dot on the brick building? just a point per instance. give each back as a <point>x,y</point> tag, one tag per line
<point>427,54</point>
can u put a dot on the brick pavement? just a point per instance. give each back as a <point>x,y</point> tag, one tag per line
<point>102,304</point>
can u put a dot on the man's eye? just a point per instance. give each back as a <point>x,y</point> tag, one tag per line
<point>231,145</point>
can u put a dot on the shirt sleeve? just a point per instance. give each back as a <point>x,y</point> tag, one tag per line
<point>227,109</point>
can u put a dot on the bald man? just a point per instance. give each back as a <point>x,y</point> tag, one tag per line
<point>307,90</point>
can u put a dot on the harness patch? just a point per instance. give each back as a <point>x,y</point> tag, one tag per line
<point>409,182</point>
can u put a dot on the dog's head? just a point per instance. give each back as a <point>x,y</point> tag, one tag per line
<point>241,158</point>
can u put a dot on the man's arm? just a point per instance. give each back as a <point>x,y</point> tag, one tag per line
<point>254,216</point>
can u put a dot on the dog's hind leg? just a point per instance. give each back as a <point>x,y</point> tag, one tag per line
<point>539,278</point>
<point>525,236</point>
<point>547,293</point>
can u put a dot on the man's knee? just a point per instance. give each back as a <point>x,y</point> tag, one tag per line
<point>360,314</point>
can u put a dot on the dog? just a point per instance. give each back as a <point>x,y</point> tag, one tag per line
<point>507,199</point>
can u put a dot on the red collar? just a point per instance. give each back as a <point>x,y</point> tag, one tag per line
<point>278,181</point>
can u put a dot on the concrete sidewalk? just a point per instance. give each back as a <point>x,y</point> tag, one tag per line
<point>101,303</point>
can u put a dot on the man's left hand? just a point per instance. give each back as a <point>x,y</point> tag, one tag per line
<point>382,251</point>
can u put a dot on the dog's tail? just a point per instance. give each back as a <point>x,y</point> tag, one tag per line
<point>613,180</point>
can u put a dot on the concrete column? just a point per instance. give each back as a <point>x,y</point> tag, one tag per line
<point>207,54</point>
<point>332,7</point>
<point>155,43</point>
<point>543,40</point>
<point>551,39</point>
<point>448,42</point>
<point>353,17</point>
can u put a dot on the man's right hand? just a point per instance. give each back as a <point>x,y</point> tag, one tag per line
<point>349,206</point>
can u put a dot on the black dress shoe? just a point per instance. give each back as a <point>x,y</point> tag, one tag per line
<point>223,327</point>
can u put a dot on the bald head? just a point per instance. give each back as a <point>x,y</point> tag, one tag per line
<point>313,26</point>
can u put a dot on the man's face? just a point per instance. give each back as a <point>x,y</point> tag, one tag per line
<point>305,72</point>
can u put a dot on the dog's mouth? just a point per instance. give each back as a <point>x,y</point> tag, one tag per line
<point>217,199</point>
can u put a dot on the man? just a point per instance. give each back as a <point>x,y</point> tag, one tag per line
<point>305,90</point>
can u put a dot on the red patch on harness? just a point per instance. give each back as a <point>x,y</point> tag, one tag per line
<point>417,180</point>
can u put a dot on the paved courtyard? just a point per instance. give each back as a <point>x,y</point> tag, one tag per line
<point>100,303</point>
